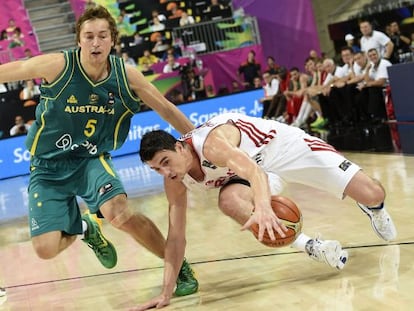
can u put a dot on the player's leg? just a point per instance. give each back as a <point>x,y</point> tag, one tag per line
<point>369,195</point>
<point>54,217</point>
<point>110,200</point>
<point>313,162</point>
<point>236,201</point>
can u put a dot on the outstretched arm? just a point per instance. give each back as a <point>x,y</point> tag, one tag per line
<point>175,244</point>
<point>221,148</point>
<point>155,100</point>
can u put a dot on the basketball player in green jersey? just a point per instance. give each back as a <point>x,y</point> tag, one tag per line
<point>87,100</point>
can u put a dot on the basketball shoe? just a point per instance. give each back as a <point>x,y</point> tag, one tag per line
<point>2,292</point>
<point>329,252</point>
<point>187,284</point>
<point>381,221</point>
<point>94,238</point>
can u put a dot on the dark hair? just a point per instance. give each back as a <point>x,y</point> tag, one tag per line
<point>95,13</point>
<point>155,141</point>
<point>347,48</point>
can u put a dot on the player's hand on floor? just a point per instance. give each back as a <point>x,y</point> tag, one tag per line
<point>155,303</point>
<point>267,220</point>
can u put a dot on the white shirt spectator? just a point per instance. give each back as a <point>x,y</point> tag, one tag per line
<point>381,71</point>
<point>272,88</point>
<point>377,41</point>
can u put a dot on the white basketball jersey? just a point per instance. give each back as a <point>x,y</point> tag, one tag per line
<point>255,135</point>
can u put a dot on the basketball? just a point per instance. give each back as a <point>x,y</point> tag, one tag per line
<point>290,215</point>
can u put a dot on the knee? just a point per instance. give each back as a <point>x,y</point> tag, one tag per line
<point>121,218</point>
<point>44,250</point>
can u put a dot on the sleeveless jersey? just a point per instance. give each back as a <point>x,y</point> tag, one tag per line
<point>256,134</point>
<point>77,117</point>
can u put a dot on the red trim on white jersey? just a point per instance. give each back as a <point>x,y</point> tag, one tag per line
<point>319,145</point>
<point>258,137</point>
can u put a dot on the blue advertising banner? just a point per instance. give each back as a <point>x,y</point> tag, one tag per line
<point>14,158</point>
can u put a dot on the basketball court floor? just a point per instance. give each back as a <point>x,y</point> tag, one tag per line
<point>234,270</point>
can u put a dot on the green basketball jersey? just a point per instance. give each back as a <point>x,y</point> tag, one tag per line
<point>77,117</point>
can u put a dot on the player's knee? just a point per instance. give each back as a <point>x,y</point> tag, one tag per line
<point>44,250</point>
<point>226,205</point>
<point>121,218</point>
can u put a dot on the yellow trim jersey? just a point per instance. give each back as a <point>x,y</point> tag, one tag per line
<point>77,117</point>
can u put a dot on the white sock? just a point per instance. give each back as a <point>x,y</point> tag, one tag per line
<point>84,227</point>
<point>300,242</point>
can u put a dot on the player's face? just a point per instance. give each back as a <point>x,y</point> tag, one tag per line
<point>170,164</point>
<point>95,40</point>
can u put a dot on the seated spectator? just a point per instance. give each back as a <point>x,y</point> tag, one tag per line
<point>272,67</point>
<point>146,70</point>
<point>350,41</point>
<point>148,58</point>
<point>137,40</point>
<point>17,38</point>
<point>271,88</point>
<point>122,26</point>
<point>235,86</point>
<point>20,127</point>
<point>156,25</point>
<point>30,91</point>
<point>210,91</point>
<point>11,27</point>
<point>159,45</point>
<point>176,97</point>
<point>127,59</point>
<point>174,11</point>
<point>186,19</point>
<point>157,15</point>
<point>171,51</point>
<point>172,64</point>
<point>27,53</point>
<point>193,85</point>
<point>371,97</point>
<point>257,83</point>
<point>215,5</point>
<point>248,70</point>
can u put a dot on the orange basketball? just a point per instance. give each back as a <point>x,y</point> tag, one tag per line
<point>290,215</point>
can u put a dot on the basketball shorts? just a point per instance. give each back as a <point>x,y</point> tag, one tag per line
<point>54,187</point>
<point>307,160</point>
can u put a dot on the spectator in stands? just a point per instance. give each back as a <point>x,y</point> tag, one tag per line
<point>17,38</point>
<point>127,59</point>
<point>171,65</point>
<point>31,90</point>
<point>235,86</point>
<point>371,96</point>
<point>156,15</point>
<point>272,67</point>
<point>122,26</point>
<point>186,19</point>
<point>138,39</point>
<point>159,45</point>
<point>28,53</point>
<point>350,41</point>
<point>156,25</point>
<point>176,97</point>
<point>373,39</point>
<point>148,58</point>
<point>402,43</point>
<point>257,83</point>
<point>248,70</point>
<point>210,91</point>
<point>271,89</point>
<point>11,28</point>
<point>215,5</point>
<point>193,86</point>
<point>174,11</point>
<point>20,127</point>
<point>171,51</point>
<point>146,69</point>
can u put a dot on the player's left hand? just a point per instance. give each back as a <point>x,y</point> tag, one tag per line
<point>158,302</point>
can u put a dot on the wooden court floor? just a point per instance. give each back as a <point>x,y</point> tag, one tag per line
<point>234,270</point>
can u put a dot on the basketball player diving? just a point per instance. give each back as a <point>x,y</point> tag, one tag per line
<point>249,159</point>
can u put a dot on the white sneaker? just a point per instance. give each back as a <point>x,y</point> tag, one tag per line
<point>381,222</point>
<point>2,292</point>
<point>329,252</point>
